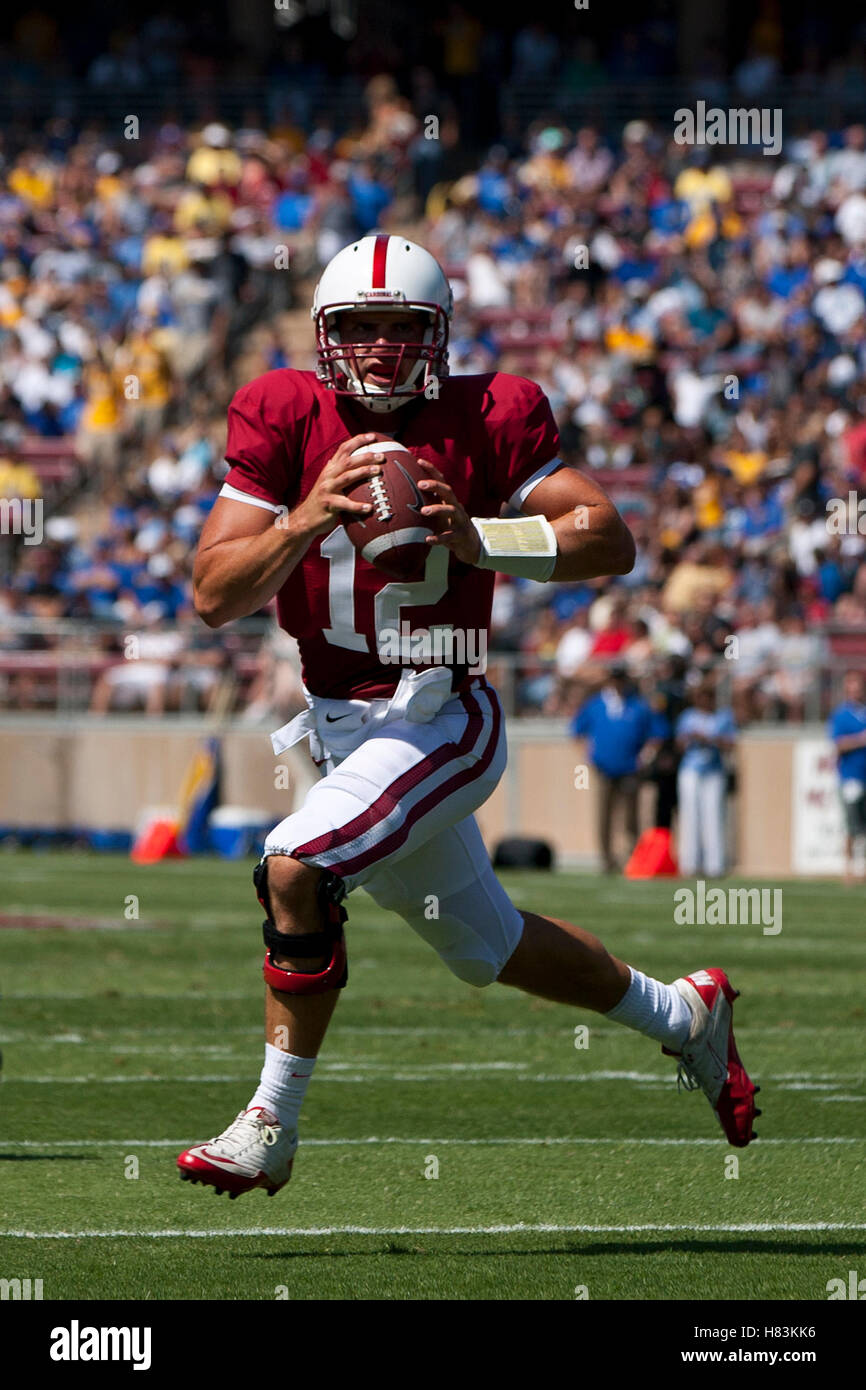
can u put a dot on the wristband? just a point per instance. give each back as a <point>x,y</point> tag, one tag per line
<point>524,546</point>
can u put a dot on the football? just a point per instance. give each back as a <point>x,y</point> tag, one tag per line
<point>391,537</point>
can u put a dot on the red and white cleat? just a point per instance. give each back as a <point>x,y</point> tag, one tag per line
<point>255,1151</point>
<point>710,1061</point>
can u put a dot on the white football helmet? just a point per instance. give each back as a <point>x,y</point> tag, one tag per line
<point>382,272</point>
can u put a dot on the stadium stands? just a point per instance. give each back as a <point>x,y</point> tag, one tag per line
<point>695,316</point>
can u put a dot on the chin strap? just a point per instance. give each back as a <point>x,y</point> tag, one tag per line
<point>383,405</point>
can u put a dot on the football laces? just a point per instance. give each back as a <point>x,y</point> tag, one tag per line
<point>381,502</point>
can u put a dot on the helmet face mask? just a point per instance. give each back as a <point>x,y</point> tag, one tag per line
<point>381,277</point>
<point>342,355</point>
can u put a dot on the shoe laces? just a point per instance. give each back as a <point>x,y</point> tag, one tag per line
<point>258,1129</point>
<point>686,1079</point>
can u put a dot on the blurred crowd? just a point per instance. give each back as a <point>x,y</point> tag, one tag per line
<point>697,324</point>
<point>695,317</point>
<point>141,283</point>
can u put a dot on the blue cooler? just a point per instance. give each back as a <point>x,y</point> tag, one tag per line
<point>236,831</point>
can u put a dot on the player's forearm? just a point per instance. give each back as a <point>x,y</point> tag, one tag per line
<point>592,542</point>
<point>588,543</point>
<point>234,578</point>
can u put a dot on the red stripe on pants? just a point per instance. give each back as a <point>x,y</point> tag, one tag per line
<point>389,799</point>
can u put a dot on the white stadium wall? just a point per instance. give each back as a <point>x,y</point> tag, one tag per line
<point>103,774</point>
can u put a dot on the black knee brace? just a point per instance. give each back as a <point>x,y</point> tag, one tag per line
<point>330,941</point>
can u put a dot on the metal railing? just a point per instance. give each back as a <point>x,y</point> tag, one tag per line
<point>341,99</point>
<point>53,666</point>
<point>805,101</point>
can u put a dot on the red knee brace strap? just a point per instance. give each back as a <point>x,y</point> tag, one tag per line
<point>333,976</point>
<point>331,938</point>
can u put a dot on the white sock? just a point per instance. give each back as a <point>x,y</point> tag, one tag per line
<point>657,1010</point>
<point>283,1084</point>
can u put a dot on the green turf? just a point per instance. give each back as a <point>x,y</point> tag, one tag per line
<point>119,1033</point>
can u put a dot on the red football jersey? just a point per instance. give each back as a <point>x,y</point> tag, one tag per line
<point>491,436</point>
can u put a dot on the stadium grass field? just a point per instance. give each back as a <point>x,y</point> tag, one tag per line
<point>559,1168</point>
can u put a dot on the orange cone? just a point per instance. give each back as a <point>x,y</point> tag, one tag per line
<point>158,840</point>
<point>653,856</point>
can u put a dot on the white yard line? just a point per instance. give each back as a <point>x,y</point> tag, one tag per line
<point>517,1228</point>
<point>73,1039</point>
<point>32,917</point>
<point>539,1141</point>
<point>792,987</point>
<point>829,1100</point>
<point>201,1050</point>
<point>437,1072</point>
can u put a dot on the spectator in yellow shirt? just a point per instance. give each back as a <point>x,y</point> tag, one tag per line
<point>32,180</point>
<point>701,569</point>
<point>18,480</point>
<point>214,163</point>
<point>145,382</point>
<point>746,464</point>
<point>200,207</point>
<point>164,255</point>
<point>702,187</point>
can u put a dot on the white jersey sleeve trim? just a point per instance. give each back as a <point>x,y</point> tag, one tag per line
<point>237,496</point>
<point>518,498</point>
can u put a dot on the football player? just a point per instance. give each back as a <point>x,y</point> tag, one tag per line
<point>409,753</point>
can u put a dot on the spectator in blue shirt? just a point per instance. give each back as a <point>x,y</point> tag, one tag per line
<point>847,729</point>
<point>619,726</point>
<point>834,571</point>
<point>496,193</point>
<point>292,209</point>
<point>370,197</point>
<point>704,735</point>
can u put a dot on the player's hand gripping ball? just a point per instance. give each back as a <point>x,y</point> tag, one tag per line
<point>393,536</point>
